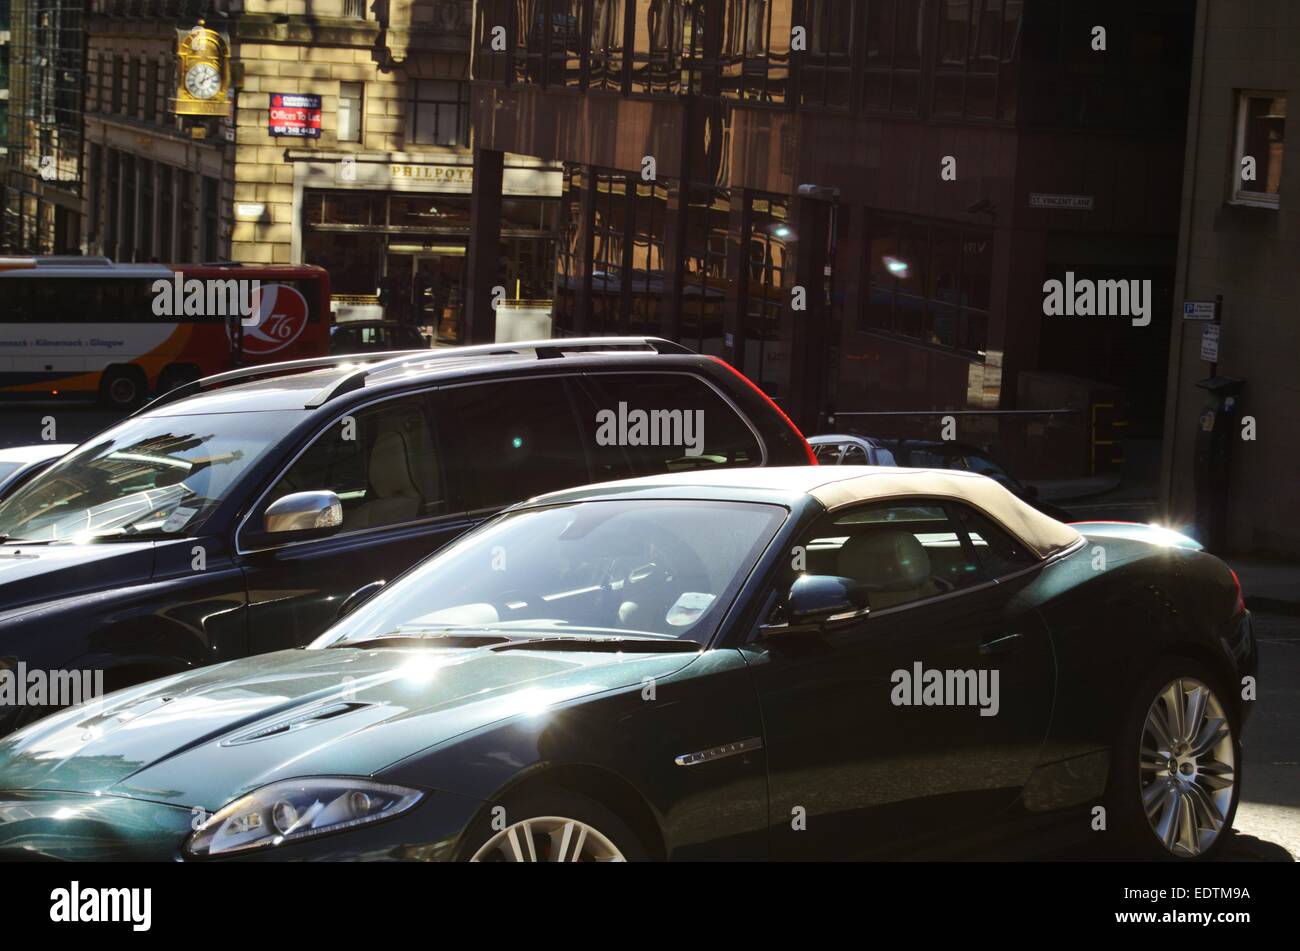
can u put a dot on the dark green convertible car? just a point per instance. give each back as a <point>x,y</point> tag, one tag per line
<point>760,663</point>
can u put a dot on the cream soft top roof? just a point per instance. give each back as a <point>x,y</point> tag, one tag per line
<point>838,486</point>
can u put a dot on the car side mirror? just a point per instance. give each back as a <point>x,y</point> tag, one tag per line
<point>819,603</point>
<point>305,514</point>
<point>356,598</point>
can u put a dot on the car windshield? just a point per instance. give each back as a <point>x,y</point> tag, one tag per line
<point>155,475</point>
<point>9,468</point>
<point>644,568</point>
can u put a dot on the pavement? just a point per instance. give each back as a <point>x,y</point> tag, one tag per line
<point>1270,586</point>
<point>1267,826</point>
<point>1059,491</point>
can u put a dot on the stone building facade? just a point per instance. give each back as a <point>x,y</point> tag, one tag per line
<point>1240,242</point>
<point>378,192</point>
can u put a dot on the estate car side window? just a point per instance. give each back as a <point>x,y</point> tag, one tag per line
<point>672,422</point>
<point>899,553</point>
<point>998,552</point>
<point>509,441</point>
<point>382,462</point>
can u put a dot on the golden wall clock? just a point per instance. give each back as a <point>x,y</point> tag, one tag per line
<point>202,73</point>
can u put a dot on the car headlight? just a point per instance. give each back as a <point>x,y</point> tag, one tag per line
<point>298,809</point>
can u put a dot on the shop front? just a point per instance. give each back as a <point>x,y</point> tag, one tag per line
<point>393,233</point>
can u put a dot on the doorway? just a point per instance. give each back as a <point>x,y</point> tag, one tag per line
<point>426,286</point>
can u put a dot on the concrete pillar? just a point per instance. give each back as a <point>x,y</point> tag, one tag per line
<point>737,294</point>
<point>483,259</point>
<point>808,330</point>
<point>587,209</point>
<point>674,259</point>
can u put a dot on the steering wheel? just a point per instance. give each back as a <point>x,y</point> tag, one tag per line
<point>656,584</point>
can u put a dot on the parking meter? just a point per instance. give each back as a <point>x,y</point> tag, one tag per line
<point>1217,430</point>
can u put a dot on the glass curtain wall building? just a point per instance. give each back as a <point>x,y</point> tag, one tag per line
<point>855,201</point>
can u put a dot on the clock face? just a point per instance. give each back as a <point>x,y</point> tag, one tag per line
<point>203,81</point>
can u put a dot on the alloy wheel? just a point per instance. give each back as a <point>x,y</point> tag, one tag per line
<point>1187,763</point>
<point>548,839</point>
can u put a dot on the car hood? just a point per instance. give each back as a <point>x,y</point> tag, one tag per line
<point>34,574</point>
<point>205,737</point>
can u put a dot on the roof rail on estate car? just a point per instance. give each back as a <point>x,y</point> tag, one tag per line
<point>271,370</point>
<point>541,349</point>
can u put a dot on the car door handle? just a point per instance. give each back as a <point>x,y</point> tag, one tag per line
<point>1000,643</point>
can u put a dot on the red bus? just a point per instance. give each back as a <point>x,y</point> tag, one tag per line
<point>85,326</point>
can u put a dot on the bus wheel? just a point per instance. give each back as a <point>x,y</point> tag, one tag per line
<point>122,387</point>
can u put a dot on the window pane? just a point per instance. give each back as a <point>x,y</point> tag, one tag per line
<point>350,111</point>
<point>693,426</point>
<point>876,91</point>
<point>908,33</point>
<point>948,93</point>
<point>491,16</point>
<point>1011,29</point>
<point>513,441</point>
<point>913,256</point>
<point>939,274</point>
<point>999,554</point>
<point>980,94</point>
<point>880,32</point>
<point>854,455</point>
<point>388,474</point>
<point>607,44</point>
<point>827,63</point>
<point>530,39</point>
<point>354,261</point>
<point>1264,141</point>
<point>902,553</point>
<point>977,270</point>
<point>448,126</point>
<point>954,20</point>
<point>988,31</point>
<point>432,212</point>
<point>657,32</point>
<point>705,278</point>
<point>907,92</point>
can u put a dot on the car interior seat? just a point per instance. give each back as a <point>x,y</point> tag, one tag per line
<point>393,496</point>
<point>893,564</point>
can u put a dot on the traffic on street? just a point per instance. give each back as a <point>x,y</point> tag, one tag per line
<point>608,431</point>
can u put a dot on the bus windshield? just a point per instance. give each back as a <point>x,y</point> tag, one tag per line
<point>155,476</point>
